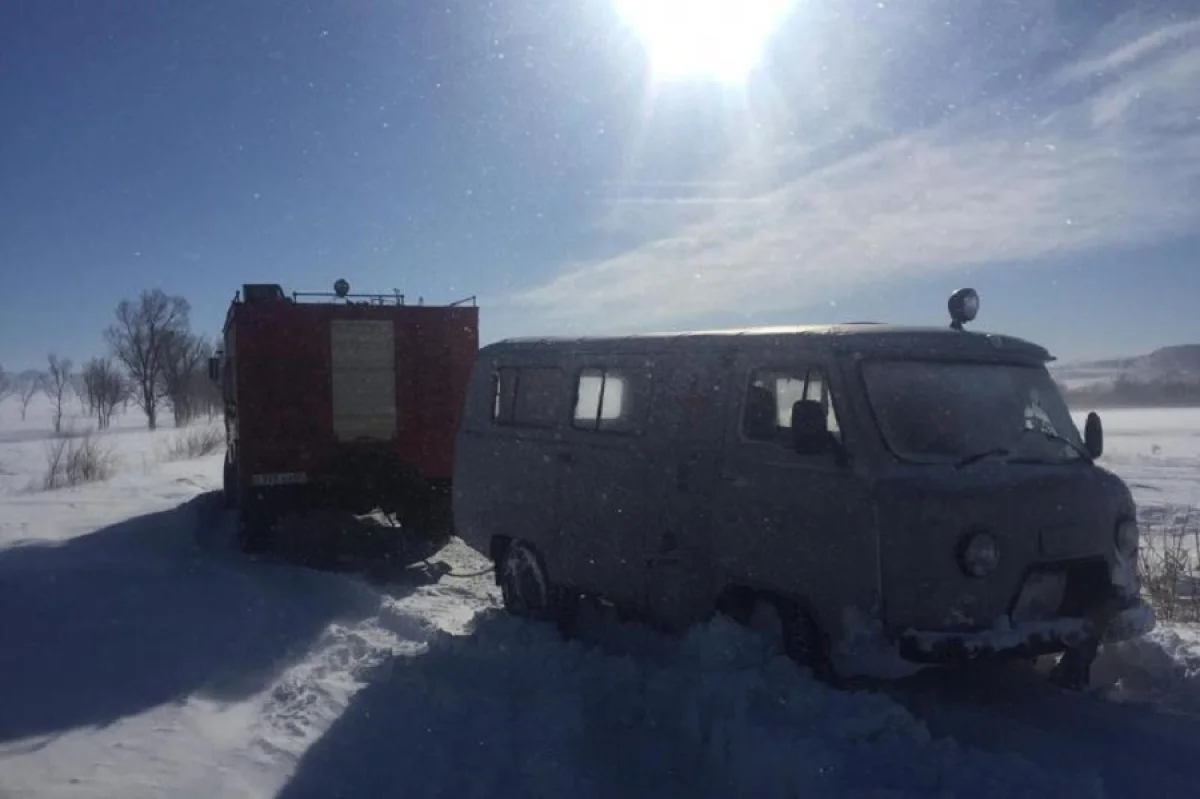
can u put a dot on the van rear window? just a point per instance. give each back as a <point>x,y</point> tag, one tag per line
<point>527,396</point>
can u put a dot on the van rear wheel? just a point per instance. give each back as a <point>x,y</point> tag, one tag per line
<point>527,589</point>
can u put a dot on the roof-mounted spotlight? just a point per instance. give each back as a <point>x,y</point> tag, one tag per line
<point>341,288</point>
<point>963,306</point>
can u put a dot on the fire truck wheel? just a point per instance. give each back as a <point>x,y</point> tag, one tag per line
<point>436,522</point>
<point>253,529</point>
<point>229,485</point>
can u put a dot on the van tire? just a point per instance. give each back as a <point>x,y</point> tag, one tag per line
<point>1073,672</point>
<point>802,642</point>
<point>527,589</point>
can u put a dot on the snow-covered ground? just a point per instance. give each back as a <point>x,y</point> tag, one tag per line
<point>142,656</point>
<point>131,449</point>
<point>1158,453</point>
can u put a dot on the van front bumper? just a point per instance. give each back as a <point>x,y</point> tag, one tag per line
<point>1133,618</point>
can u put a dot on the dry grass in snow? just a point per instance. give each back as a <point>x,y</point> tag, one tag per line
<point>34,458</point>
<point>1169,567</point>
<point>74,460</point>
<point>195,442</point>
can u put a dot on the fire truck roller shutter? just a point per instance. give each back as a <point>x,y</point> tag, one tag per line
<point>363,366</point>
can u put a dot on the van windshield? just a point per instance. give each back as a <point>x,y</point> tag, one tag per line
<point>938,412</point>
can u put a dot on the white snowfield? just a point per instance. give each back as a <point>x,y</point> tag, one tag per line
<point>143,656</point>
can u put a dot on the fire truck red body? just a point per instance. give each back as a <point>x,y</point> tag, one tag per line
<point>341,400</point>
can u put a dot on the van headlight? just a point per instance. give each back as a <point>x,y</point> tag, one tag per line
<point>1128,537</point>
<point>978,554</point>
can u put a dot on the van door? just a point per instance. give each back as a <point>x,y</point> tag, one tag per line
<point>797,524</point>
<point>606,464</point>
<point>688,418</point>
<point>507,456</point>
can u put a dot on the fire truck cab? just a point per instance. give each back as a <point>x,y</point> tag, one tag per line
<point>341,401</point>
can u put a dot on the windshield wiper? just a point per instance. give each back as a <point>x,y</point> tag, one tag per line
<point>1052,436</point>
<point>978,456</point>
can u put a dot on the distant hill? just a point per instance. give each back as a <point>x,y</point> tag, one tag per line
<point>1166,377</point>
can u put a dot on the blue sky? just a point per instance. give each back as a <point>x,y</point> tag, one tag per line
<point>1047,153</point>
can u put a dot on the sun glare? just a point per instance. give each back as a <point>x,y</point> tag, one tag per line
<point>719,40</point>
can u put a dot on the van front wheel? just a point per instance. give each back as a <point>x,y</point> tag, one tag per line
<point>798,634</point>
<point>526,586</point>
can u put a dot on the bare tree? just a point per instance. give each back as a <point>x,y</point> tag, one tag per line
<point>137,340</point>
<point>208,397</point>
<point>57,385</point>
<point>89,397</point>
<point>8,384</point>
<point>105,389</point>
<point>79,388</point>
<point>183,355</point>
<point>28,386</point>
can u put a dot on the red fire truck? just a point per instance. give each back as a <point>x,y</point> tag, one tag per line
<point>344,401</point>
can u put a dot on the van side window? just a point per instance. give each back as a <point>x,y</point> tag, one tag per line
<point>770,397</point>
<point>504,384</point>
<point>604,401</point>
<point>526,396</point>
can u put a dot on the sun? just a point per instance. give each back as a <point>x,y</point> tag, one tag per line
<point>719,40</point>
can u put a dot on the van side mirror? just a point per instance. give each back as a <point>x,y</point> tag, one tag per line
<point>214,369</point>
<point>810,431</point>
<point>1093,435</point>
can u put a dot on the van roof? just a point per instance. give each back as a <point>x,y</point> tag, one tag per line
<point>864,337</point>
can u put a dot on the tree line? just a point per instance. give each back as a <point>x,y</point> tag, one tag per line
<point>1126,393</point>
<point>154,361</point>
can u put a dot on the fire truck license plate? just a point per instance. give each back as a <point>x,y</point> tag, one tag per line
<point>278,479</point>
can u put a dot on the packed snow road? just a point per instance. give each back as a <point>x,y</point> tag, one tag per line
<point>147,657</point>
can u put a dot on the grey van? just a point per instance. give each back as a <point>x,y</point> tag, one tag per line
<point>890,497</point>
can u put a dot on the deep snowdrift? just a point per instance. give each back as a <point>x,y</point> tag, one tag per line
<point>144,657</point>
<point>511,710</point>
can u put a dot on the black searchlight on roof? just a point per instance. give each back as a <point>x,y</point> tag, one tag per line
<point>341,288</point>
<point>963,306</point>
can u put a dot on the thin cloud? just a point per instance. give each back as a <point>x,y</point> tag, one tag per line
<point>688,200</point>
<point>1134,51</point>
<point>1114,163</point>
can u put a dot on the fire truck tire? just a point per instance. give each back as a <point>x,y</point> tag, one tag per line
<point>254,527</point>
<point>229,485</point>
<point>254,536</point>
<point>436,521</point>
